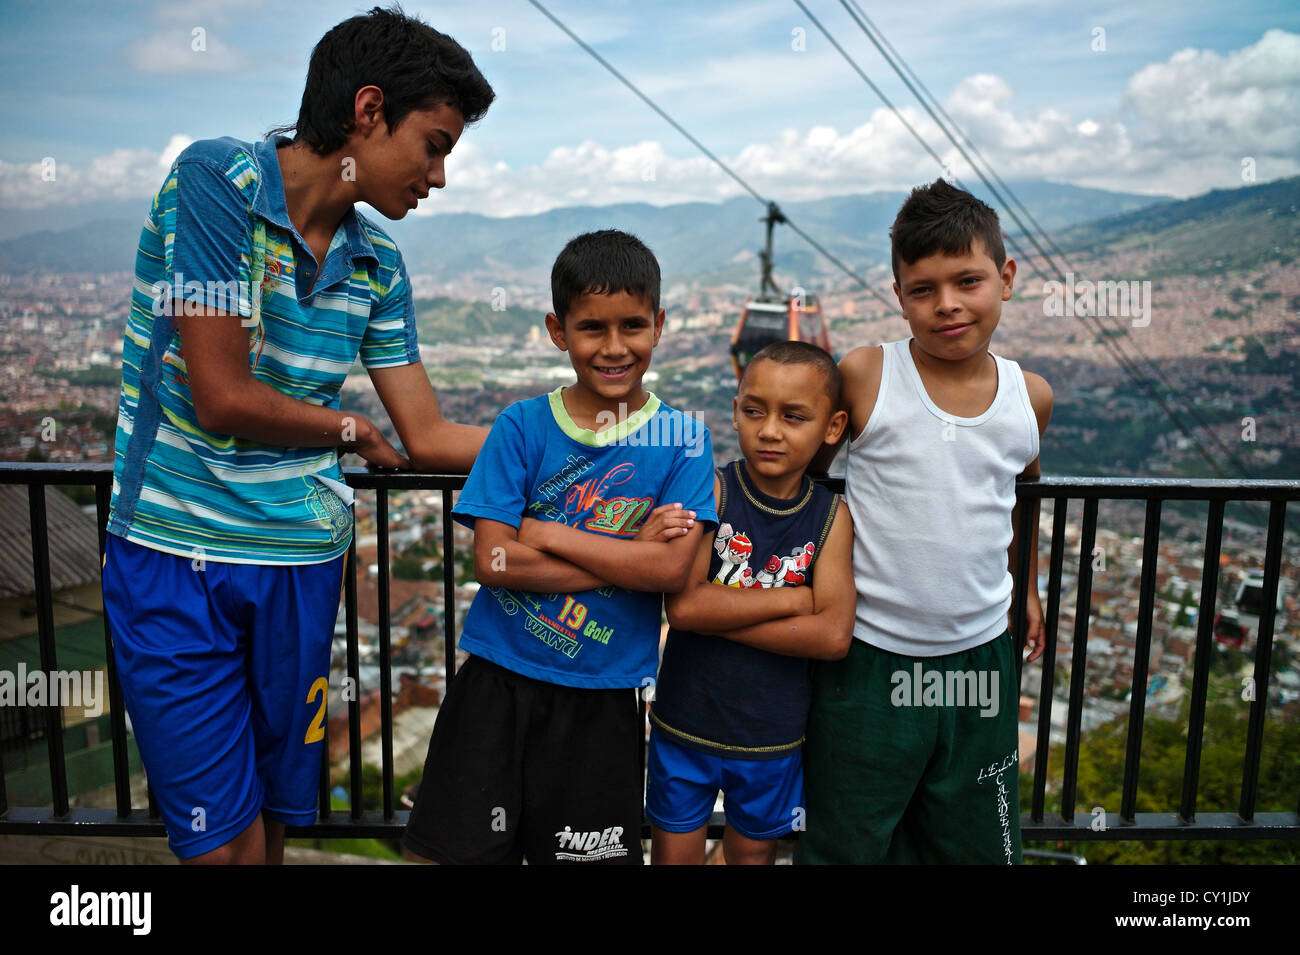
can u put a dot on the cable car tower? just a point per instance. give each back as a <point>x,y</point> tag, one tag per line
<point>774,316</point>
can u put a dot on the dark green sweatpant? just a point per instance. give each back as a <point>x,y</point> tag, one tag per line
<point>913,759</point>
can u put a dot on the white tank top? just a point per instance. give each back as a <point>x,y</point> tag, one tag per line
<point>931,496</point>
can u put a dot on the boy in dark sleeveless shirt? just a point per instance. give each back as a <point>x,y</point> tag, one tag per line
<point>771,588</point>
<point>913,736</point>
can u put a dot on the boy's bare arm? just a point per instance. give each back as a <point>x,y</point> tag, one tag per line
<point>653,566</point>
<point>860,374</point>
<point>1040,397</point>
<point>501,560</point>
<point>827,633</point>
<point>229,400</point>
<point>497,545</point>
<point>706,607</point>
<point>431,441</point>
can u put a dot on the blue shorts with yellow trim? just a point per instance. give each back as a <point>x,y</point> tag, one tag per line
<point>762,798</point>
<point>224,670</point>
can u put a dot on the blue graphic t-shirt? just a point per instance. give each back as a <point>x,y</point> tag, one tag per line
<point>538,463</point>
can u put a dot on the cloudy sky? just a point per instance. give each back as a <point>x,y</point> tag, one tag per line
<point>1145,97</point>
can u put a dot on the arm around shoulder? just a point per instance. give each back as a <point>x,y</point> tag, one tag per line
<point>834,591</point>
<point>860,373</point>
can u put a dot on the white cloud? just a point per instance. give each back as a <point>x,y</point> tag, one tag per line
<point>1183,127</point>
<point>121,174</point>
<point>1193,118</point>
<point>1199,100</point>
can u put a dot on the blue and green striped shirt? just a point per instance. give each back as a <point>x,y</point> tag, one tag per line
<point>219,235</point>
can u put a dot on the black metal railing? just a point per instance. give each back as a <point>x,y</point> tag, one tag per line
<point>1185,822</point>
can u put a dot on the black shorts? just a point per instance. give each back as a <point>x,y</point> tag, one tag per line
<point>523,769</point>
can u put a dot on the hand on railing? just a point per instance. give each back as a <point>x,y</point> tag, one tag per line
<point>371,444</point>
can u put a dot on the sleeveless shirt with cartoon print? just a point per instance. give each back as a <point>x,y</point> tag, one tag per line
<point>727,698</point>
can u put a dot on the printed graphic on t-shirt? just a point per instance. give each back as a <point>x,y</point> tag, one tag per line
<point>329,510</point>
<point>560,629</point>
<point>611,514</point>
<point>736,548</point>
<point>562,621</point>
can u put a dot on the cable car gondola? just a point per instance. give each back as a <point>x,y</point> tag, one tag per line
<point>774,316</point>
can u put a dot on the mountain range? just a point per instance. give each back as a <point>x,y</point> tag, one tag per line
<point>1225,230</point>
<point>697,240</point>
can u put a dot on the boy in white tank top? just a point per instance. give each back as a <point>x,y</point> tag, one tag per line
<point>912,739</point>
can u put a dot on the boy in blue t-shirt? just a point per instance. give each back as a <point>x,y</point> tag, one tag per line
<point>587,504</point>
<point>771,589</point>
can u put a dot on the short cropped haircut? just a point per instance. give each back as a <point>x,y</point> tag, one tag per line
<point>417,68</point>
<point>801,353</point>
<point>603,263</point>
<point>942,218</point>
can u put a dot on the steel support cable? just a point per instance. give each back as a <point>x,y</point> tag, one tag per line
<point>707,152</point>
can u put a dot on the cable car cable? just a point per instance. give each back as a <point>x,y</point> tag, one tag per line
<point>704,149</point>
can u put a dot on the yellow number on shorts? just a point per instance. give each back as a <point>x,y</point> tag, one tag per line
<point>316,732</point>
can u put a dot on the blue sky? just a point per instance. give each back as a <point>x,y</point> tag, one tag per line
<point>1179,95</point>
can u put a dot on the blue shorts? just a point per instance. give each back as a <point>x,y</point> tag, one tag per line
<point>224,671</point>
<point>763,798</point>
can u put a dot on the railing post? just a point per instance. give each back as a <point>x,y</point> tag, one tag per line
<point>1028,518</point>
<point>1046,693</point>
<point>49,656</point>
<point>1078,658</point>
<point>1263,659</point>
<point>1201,668</point>
<point>385,651</point>
<point>116,706</point>
<point>354,674</point>
<point>326,791</point>
<point>448,590</point>
<point>1141,661</point>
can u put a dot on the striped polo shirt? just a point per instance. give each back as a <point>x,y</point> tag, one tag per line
<point>218,235</point>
